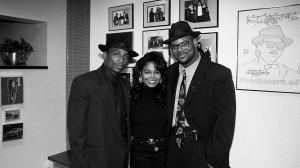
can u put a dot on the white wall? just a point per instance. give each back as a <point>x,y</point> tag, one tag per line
<point>44,110</point>
<point>267,124</point>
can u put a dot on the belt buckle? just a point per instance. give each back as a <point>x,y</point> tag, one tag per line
<point>151,141</point>
<point>155,148</point>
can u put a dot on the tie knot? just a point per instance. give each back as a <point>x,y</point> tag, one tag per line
<point>184,74</point>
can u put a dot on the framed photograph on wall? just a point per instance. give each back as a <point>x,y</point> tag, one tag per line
<point>153,41</point>
<point>208,46</point>
<point>120,17</point>
<point>157,13</point>
<point>199,13</point>
<point>12,131</point>
<point>12,90</point>
<point>127,73</point>
<point>268,49</point>
<point>12,115</point>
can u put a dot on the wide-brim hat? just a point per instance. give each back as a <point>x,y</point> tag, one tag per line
<point>180,29</point>
<point>272,33</point>
<point>119,42</point>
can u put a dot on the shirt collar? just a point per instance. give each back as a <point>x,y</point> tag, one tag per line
<point>190,69</point>
<point>108,73</point>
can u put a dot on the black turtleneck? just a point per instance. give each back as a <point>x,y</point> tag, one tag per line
<point>148,117</point>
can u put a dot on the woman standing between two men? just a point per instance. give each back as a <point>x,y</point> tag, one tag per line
<point>148,114</point>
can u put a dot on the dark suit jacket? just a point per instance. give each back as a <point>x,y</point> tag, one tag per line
<point>209,107</point>
<point>94,130</point>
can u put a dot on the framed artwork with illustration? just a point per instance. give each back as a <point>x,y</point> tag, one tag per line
<point>268,49</point>
<point>199,13</point>
<point>120,17</point>
<point>11,90</point>
<point>157,13</point>
<point>208,46</point>
<point>153,41</point>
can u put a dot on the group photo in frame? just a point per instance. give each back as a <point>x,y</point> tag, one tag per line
<point>12,115</point>
<point>156,13</point>
<point>153,41</point>
<point>199,13</point>
<point>268,49</point>
<point>120,17</point>
<point>12,90</point>
<point>208,46</point>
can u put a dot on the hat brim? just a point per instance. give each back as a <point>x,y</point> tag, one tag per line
<point>194,34</point>
<point>258,39</point>
<point>105,48</point>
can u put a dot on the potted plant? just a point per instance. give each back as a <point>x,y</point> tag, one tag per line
<point>15,52</point>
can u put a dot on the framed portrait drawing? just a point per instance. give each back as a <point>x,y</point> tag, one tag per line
<point>208,46</point>
<point>11,90</point>
<point>120,17</point>
<point>153,41</point>
<point>157,13</point>
<point>199,13</point>
<point>268,49</point>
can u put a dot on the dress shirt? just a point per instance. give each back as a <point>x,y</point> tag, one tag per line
<point>190,70</point>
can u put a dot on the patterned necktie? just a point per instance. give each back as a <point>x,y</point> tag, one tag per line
<point>180,117</point>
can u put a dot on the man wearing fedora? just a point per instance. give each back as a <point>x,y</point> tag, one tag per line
<point>201,103</point>
<point>97,111</point>
<point>270,45</point>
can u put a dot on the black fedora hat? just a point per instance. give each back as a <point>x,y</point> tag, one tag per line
<point>180,29</point>
<point>117,42</point>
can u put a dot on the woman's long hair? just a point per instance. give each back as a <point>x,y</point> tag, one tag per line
<point>160,65</point>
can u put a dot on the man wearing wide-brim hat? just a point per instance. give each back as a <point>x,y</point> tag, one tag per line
<point>98,109</point>
<point>270,45</point>
<point>201,103</point>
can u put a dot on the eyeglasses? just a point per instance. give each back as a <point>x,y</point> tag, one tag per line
<point>183,46</point>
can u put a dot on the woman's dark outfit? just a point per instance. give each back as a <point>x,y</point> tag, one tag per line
<point>149,131</point>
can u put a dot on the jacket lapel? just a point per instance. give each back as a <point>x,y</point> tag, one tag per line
<point>110,109</point>
<point>198,80</point>
<point>173,79</point>
<point>126,88</point>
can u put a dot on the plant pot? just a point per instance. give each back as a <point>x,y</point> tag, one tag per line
<point>11,59</point>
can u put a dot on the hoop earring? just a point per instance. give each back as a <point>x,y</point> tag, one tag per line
<point>140,80</point>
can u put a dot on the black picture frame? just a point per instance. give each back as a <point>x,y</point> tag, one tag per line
<point>156,13</point>
<point>120,17</point>
<point>12,131</point>
<point>127,74</point>
<point>153,41</point>
<point>208,42</point>
<point>205,18</point>
<point>12,90</point>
